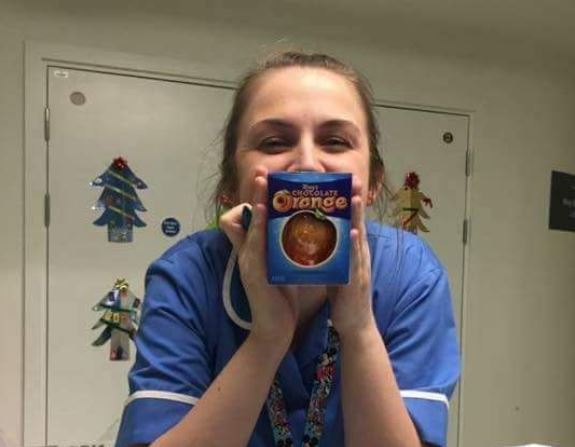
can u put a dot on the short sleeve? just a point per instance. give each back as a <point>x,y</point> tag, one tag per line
<point>421,340</point>
<point>171,370</point>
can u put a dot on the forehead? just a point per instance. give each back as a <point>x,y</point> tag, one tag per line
<point>303,94</point>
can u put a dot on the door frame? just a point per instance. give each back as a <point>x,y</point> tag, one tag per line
<point>39,56</point>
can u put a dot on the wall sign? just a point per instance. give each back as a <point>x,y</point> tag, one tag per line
<point>170,227</point>
<point>562,202</point>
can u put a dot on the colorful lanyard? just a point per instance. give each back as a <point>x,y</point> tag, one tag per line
<point>324,374</point>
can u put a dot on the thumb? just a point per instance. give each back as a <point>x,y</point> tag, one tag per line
<point>231,225</point>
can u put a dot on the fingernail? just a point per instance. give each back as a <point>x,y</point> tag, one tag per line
<point>260,195</point>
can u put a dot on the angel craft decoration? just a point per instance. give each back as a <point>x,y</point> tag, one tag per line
<point>120,320</point>
<point>409,204</point>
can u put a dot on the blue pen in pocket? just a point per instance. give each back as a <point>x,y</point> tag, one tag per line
<point>246,217</point>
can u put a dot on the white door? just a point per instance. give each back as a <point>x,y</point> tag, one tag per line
<point>167,131</point>
<point>434,145</point>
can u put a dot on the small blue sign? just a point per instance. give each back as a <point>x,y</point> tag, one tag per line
<point>170,227</point>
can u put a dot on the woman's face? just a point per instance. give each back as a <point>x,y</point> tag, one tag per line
<point>302,119</point>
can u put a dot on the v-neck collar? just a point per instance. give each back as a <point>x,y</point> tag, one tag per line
<point>297,369</point>
<point>314,340</point>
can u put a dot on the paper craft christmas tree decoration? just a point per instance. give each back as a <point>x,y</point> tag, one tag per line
<point>409,204</point>
<point>119,201</point>
<point>120,320</point>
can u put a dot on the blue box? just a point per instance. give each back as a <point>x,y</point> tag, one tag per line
<point>309,220</point>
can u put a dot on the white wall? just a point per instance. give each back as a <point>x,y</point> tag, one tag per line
<point>520,320</point>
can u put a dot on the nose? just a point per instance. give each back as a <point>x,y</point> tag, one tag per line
<point>306,156</point>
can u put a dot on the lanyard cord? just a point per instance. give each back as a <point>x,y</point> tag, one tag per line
<point>324,375</point>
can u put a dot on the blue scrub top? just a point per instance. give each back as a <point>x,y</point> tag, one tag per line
<point>195,317</point>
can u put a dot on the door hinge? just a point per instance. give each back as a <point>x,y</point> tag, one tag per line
<point>465,231</point>
<point>47,210</point>
<point>468,163</point>
<point>47,124</point>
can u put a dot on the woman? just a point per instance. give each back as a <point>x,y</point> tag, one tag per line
<point>225,359</point>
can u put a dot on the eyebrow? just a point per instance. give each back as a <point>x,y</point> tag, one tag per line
<point>278,122</point>
<point>271,122</point>
<point>340,123</point>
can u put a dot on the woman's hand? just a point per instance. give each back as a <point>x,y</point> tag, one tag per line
<point>274,309</point>
<point>351,306</point>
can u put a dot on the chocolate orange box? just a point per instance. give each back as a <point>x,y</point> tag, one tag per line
<point>309,219</point>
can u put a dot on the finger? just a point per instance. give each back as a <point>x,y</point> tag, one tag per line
<point>260,190</point>
<point>231,225</point>
<point>253,254</point>
<point>260,185</point>
<point>356,253</point>
<point>357,213</point>
<point>260,171</point>
<point>356,186</point>
<point>257,231</point>
<point>360,216</point>
<point>358,223</point>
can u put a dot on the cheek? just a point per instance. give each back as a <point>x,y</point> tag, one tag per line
<point>243,174</point>
<point>246,174</point>
<point>244,188</point>
<point>362,172</point>
<point>247,165</point>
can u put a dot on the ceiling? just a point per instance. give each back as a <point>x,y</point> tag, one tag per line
<point>542,31</point>
<point>515,28</point>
